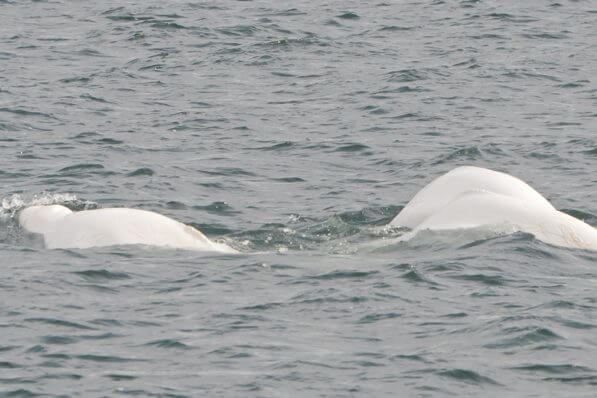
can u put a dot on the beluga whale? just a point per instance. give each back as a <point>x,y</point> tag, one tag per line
<point>64,229</point>
<point>473,197</point>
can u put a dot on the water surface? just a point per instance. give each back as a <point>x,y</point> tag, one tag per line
<point>293,132</point>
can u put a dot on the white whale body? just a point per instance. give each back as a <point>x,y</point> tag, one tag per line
<point>64,229</point>
<point>474,197</point>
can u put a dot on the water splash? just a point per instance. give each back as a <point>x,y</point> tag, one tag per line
<point>12,204</point>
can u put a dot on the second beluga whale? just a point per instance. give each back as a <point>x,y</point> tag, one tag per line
<point>474,197</point>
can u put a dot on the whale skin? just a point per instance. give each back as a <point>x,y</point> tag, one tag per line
<point>475,197</point>
<point>64,229</point>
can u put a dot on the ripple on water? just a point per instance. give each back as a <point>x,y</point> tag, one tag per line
<point>525,336</point>
<point>553,368</point>
<point>168,344</point>
<point>143,171</point>
<point>288,179</point>
<point>353,147</point>
<point>62,376</point>
<point>9,365</point>
<point>27,113</point>
<point>21,393</point>
<point>349,15</point>
<point>344,274</point>
<point>107,358</point>
<point>120,377</point>
<point>59,323</point>
<point>84,169</point>
<point>467,154</point>
<point>59,340</point>
<point>101,275</point>
<point>466,376</point>
<point>374,318</point>
<point>490,280</point>
<point>396,28</point>
<point>417,277</point>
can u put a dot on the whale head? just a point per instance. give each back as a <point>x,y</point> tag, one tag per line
<point>39,219</point>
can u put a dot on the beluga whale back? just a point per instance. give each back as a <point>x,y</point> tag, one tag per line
<point>64,229</point>
<point>474,197</point>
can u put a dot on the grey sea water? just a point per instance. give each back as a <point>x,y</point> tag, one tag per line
<point>293,131</point>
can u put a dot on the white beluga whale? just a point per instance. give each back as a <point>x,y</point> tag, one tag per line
<point>64,229</point>
<point>473,197</point>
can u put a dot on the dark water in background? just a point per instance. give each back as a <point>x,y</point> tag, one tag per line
<point>293,131</point>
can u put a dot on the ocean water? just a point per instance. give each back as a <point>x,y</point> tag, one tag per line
<point>294,132</point>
